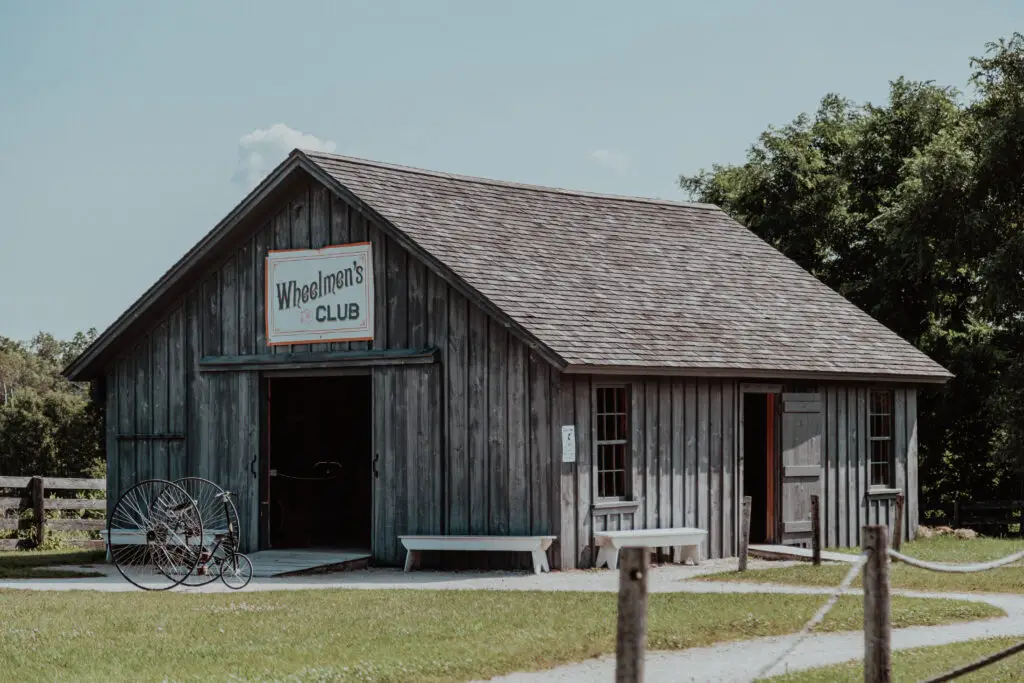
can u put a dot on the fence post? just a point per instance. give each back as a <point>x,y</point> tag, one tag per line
<point>816,530</point>
<point>745,532</point>
<point>631,639</point>
<point>897,532</point>
<point>877,625</point>
<point>38,493</point>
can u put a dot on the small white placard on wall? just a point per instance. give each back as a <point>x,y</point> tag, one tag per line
<point>568,443</point>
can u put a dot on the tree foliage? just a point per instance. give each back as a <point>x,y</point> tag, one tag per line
<point>48,426</point>
<point>914,210</point>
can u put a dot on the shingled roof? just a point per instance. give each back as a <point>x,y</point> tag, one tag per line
<point>602,283</point>
<point>609,281</point>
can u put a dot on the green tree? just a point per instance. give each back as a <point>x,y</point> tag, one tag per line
<point>913,210</point>
<point>47,424</point>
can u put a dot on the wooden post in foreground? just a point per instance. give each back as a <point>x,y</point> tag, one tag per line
<point>38,493</point>
<point>631,639</point>
<point>816,530</point>
<point>897,532</point>
<point>877,625</point>
<point>745,532</point>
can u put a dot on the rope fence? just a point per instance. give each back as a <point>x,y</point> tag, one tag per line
<point>873,561</point>
<point>877,628</point>
<point>878,639</point>
<point>980,664</point>
<point>818,617</point>
<point>950,568</point>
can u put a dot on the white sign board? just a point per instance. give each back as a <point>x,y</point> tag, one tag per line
<point>568,443</point>
<point>319,295</point>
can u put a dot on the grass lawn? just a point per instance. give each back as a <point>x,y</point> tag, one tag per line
<point>939,549</point>
<point>394,635</point>
<point>32,564</point>
<point>926,662</point>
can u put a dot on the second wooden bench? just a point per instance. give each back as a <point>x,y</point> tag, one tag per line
<point>609,542</point>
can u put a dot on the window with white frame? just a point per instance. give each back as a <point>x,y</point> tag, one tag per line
<point>880,441</point>
<point>611,420</point>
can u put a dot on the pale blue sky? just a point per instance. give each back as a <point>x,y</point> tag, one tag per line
<point>121,122</point>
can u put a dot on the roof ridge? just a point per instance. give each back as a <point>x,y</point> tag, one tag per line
<point>505,183</point>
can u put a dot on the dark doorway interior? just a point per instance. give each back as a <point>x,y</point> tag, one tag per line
<point>755,464</point>
<point>319,462</point>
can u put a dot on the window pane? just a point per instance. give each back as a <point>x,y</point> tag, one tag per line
<point>611,426</point>
<point>880,474</point>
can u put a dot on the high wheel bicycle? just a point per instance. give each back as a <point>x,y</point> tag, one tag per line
<point>163,534</point>
<point>154,535</point>
<point>219,555</point>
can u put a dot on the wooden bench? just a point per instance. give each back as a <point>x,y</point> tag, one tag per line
<point>609,542</point>
<point>138,537</point>
<point>535,545</point>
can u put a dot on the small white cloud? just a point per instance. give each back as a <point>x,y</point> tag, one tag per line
<point>264,148</point>
<point>615,161</point>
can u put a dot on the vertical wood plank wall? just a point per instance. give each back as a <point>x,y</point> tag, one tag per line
<point>847,504</point>
<point>683,457</point>
<point>497,433</point>
<point>686,470</point>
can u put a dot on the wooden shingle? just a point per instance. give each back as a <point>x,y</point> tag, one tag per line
<point>631,283</point>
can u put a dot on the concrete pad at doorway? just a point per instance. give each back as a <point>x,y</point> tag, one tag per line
<point>269,563</point>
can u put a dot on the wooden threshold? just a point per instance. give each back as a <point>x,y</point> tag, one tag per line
<point>789,552</point>
<point>319,361</point>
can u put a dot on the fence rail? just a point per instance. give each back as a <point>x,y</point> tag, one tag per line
<point>993,517</point>
<point>31,493</point>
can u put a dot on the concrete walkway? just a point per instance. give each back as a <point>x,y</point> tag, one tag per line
<point>739,662</point>
<point>728,662</point>
<point>667,578</point>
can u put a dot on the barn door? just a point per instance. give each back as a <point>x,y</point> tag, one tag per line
<point>406,467</point>
<point>801,428</point>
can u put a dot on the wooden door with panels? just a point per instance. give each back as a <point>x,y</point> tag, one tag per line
<point>800,427</point>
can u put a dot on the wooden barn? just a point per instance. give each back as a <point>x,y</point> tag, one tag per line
<point>361,350</point>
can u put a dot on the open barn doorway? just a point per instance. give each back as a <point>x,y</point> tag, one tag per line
<point>318,488</point>
<point>760,470</point>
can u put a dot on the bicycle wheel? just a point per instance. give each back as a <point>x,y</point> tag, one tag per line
<point>236,571</point>
<point>220,527</point>
<point>154,535</point>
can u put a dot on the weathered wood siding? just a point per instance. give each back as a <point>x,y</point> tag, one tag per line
<point>484,456</point>
<point>847,505</point>
<point>686,466</point>
<point>479,459</point>
<point>683,457</point>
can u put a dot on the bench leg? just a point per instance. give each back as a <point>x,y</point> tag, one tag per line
<point>608,555</point>
<point>412,559</point>
<point>690,552</point>
<point>540,561</point>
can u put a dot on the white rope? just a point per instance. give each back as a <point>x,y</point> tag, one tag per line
<point>818,617</point>
<point>956,568</point>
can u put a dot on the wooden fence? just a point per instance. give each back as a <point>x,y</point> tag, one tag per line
<point>991,517</point>
<point>31,493</point>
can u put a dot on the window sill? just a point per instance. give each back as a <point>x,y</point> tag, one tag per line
<point>881,492</point>
<point>612,506</point>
